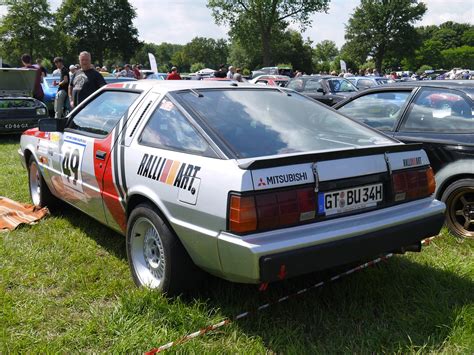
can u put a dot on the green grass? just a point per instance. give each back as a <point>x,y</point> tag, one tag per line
<point>65,287</point>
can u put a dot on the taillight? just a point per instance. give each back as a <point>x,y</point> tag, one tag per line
<point>271,209</point>
<point>242,214</point>
<point>413,184</point>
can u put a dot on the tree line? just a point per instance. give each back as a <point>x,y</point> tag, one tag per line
<point>380,34</point>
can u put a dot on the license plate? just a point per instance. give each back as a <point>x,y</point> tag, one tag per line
<point>355,198</point>
<point>16,125</point>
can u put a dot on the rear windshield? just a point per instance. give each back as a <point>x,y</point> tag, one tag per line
<point>257,123</point>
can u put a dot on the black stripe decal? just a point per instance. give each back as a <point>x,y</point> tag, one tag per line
<point>115,165</point>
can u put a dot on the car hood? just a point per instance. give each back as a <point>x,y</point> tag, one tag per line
<point>17,82</point>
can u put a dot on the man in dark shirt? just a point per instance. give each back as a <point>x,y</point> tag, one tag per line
<point>61,95</point>
<point>85,81</point>
<point>38,90</point>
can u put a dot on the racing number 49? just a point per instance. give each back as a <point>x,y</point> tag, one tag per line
<point>70,165</point>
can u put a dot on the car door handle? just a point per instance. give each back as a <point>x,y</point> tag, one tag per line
<point>99,154</point>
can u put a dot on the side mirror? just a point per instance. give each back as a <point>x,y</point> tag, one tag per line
<point>320,90</point>
<point>51,125</point>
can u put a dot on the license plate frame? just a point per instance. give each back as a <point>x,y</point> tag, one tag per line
<point>331,203</point>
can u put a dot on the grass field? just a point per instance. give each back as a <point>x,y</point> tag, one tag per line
<point>65,287</point>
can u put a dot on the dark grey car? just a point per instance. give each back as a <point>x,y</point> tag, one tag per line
<point>440,115</point>
<point>18,109</point>
<point>326,89</point>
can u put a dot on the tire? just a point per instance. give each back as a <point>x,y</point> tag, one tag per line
<point>459,199</point>
<point>156,257</point>
<point>39,192</point>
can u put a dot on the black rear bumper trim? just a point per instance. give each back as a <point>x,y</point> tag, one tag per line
<point>340,252</point>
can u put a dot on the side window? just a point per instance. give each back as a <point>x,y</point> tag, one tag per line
<point>312,86</point>
<point>365,83</point>
<point>378,110</point>
<point>102,114</point>
<point>168,128</point>
<point>440,110</point>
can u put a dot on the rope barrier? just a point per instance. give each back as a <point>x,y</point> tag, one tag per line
<point>227,321</point>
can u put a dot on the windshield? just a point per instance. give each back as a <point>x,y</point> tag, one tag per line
<point>255,123</point>
<point>53,81</point>
<point>341,85</point>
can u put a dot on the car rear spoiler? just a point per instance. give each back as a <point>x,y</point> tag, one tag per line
<point>314,157</point>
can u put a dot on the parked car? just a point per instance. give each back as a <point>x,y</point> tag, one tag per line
<point>438,114</point>
<point>365,82</point>
<point>272,80</point>
<point>323,88</point>
<point>18,109</point>
<point>50,88</point>
<point>250,183</point>
<point>157,76</point>
<point>119,79</point>
<point>287,71</point>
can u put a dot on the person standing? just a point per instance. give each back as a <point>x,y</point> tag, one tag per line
<point>237,75</point>
<point>37,90</point>
<point>230,73</point>
<point>61,94</point>
<point>85,81</point>
<point>39,64</point>
<point>174,74</point>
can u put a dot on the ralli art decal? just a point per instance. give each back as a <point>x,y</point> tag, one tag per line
<point>167,171</point>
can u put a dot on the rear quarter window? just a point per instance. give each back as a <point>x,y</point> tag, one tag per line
<point>440,110</point>
<point>378,110</point>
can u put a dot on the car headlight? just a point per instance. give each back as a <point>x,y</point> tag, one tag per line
<point>41,111</point>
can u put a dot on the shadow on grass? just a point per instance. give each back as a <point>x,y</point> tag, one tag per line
<point>397,306</point>
<point>393,307</point>
<point>10,139</point>
<point>112,241</point>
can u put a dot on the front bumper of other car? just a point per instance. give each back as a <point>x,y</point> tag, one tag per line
<point>19,119</point>
<point>283,253</point>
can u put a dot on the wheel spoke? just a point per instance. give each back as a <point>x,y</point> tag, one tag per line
<point>467,223</point>
<point>463,200</point>
<point>460,213</point>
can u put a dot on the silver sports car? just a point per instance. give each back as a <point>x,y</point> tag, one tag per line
<point>252,184</point>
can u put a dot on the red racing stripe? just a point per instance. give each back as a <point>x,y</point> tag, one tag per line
<point>166,170</point>
<point>103,171</point>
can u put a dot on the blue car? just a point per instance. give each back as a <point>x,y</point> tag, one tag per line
<point>50,88</point>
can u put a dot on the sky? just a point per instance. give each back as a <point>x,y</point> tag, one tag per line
<point>179,21</point>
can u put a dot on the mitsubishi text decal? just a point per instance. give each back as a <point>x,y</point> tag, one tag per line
<point>282,176</point>
<point>167,171</point>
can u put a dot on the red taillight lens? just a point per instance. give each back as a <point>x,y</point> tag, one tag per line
<point>412,184</point>
<point>242,214</point>
<point>271,209</point>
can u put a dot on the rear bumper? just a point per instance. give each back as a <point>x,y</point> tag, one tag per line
<point>319,246</point>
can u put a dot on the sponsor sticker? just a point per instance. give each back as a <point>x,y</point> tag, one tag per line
<point>170,172</point>
<point>276,178</point>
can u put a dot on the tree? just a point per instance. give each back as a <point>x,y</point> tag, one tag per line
<point>247,18</point>
<point>291,48</point>
<point>461,57</point>
<point>104,28</point>
<point>380,28</point>
<point>207,50</point>
<point>25,28</point>
<point>325,51</point>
